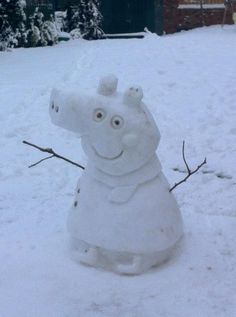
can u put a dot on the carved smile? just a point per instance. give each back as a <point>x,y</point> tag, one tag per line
<point>108,158</point>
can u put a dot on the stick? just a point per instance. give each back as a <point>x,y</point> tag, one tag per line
<point>53,154</point>
<point>190,173</point>
<point>44,159</point>
<point>183,150</point>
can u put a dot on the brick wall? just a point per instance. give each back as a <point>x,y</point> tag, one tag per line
<point>176,19</point>
<point>170,15</point>
<point>203,1</point>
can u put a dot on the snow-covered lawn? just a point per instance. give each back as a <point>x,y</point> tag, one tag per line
<point>189,80</point>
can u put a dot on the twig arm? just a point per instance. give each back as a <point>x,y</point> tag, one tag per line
<point>40,161</point>
<point>185,162</point>
<point>53,154</point>
<point>47,150</point>
<point>190,173</point>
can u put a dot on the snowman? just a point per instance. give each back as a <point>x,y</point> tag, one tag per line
<point>123,217</point>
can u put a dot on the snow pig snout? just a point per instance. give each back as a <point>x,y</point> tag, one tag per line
<point>68,110</point>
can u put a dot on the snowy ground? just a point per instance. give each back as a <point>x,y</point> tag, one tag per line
<point>189,81</point>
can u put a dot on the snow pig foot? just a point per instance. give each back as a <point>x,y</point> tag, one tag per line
<point>136,267</point>
<point>84,252</point>
<point>119,262</point>
<point>89,256</point>
<point>142,263</point>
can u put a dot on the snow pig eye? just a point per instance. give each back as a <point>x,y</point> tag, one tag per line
<point>117,122</point>
<point>99,115</point>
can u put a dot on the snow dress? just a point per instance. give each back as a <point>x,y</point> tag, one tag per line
<point>133,212</point>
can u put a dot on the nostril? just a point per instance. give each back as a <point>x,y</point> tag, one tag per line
<point>56,108</point>
<point>52,105</point>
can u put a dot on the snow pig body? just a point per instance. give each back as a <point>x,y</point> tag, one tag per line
<point>123,218</point>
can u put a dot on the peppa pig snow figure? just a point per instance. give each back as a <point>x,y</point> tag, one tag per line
<point>123,217</point>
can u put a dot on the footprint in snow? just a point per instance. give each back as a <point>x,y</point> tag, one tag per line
<point>223,175</point>
<point>220,175</point>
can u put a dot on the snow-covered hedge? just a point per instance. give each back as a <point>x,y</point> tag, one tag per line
<point>20,30</point>
<point>84,19</point>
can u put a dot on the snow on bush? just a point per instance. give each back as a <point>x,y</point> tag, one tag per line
<point>75,34</point>
<point>33,35</point>
<point>49,34</point>
<point>41,32</point>
<point>86,18</point>
<point>60,20</point>
<point>12,23</point>
<point>19,30</point>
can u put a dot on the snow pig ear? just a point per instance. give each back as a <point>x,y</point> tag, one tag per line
<point>133,96</point>
<point>107,85</point>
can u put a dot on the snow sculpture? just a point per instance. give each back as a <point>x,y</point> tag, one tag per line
<point>123,218</point>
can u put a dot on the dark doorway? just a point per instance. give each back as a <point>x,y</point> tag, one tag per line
<point>128,16</point>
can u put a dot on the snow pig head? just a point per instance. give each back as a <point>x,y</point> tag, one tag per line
<point>117,131</point>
